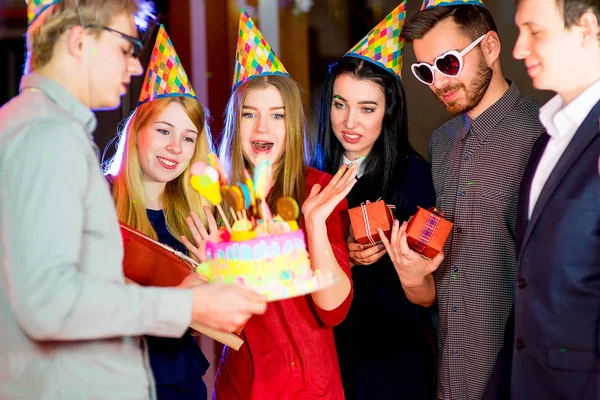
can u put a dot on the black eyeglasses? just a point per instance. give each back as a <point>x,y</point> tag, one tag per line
<point>137,43</point>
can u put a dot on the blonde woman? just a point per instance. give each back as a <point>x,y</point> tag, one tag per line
<point>159,143</point>
<point>151,190</point>
<point>289,353</point>
<point>162,138</point>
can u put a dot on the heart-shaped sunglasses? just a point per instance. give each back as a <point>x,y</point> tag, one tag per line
<point>450,64</point>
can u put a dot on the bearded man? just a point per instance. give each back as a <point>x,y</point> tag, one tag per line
<point>477,159</point>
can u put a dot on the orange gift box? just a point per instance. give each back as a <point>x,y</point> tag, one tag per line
<point>427,232</point>
<point>367,218</point>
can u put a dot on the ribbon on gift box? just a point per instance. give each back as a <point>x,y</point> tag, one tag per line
<point>363,208</point>
<point>428,229</point>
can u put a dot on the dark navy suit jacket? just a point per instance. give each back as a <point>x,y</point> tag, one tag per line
<point>556,346</point>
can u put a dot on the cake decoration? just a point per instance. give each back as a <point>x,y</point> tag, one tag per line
<point>205,180</point>
<point>250,185</point>
<point>262,180</point>
<point>246,193</point>
<point>264,253</point>
<point>288,209</point>
<point>233,197</point>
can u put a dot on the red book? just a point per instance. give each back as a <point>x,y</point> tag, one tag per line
<point>151,263</point>
<point>148,262</point>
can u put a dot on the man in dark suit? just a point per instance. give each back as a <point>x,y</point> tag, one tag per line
<point>556,353</point>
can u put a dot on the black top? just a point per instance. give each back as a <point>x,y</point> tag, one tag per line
<point>159,223</point>
<point>175,361</point>
<point>386,345</point>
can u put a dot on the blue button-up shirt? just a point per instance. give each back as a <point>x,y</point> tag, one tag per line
<point>69,326</point>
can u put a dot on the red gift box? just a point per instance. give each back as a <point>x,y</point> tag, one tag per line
<point>427,232</point>
<point>369,217</point>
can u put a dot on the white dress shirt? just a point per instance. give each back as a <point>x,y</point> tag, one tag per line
<point>359,164</point>
<point>561,122</point>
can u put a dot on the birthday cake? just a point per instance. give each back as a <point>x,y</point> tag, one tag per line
<point>261,252</point>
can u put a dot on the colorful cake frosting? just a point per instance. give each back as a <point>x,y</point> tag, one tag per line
<point>275,265</point>
<point>261,252</point>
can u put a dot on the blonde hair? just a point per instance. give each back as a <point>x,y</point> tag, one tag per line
<point>288,175</point>
<point>178,197</point>
<point>45,30</point>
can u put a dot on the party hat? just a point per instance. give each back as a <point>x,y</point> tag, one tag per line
<point>165,75</point>
<point>427,4</point>
<point>254,56</point>
<point>384,45</point>
<point>36,7</point>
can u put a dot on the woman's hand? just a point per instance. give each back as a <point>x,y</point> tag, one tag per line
<point>320,203</point>
<point>200,234</point>
<point>411,267</point>
<point>359,255</point>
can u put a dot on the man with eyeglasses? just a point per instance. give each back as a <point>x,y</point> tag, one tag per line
<point>477,161</point>
<point>556,345</point>
<point>69,326</point>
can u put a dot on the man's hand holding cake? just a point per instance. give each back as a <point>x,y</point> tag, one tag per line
<point>225,307</point>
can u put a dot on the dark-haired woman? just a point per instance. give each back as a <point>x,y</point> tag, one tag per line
<point>385,346</point>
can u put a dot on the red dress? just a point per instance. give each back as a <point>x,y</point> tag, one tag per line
<point>289,352</point>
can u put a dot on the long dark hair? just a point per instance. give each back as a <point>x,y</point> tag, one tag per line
<point>386,163</point>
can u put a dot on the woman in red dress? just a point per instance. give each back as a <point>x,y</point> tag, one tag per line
<point>289,352</point>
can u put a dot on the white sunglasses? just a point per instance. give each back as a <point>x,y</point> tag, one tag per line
<point>450,64</point>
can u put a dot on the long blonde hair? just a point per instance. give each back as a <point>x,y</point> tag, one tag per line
<point>178,197</point>
<point>288,176</point>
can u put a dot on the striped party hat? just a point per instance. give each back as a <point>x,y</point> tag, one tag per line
<point>36,7</point>
<point>427,4</point>
<point>254,56</point>
<point>165,75</point>
<point>384,45</point>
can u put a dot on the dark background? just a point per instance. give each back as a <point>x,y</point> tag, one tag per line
<point>331,28</point>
